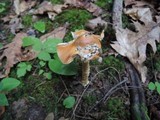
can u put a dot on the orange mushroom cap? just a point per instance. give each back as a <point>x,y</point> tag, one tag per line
<point>85,44</point>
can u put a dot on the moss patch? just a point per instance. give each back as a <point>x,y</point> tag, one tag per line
<point>56,1</point>
<point>27,20</point>
<point>111,61</point>
<point>115,109</point>
<point>76,18</point>
<point>106,4</point>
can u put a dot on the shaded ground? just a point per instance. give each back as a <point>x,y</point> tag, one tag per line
<point>38,96</point>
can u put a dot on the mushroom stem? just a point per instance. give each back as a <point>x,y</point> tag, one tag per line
<point>85,73</point>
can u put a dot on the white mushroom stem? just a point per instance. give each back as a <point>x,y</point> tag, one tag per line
<point>85,73</point>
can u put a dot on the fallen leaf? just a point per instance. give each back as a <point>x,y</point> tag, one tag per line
<point>128,2</point>
<point>23,5</point>
<point>56,33</point>
<point>133,44</point>
<point>136,3</point>
<point>88,5</point>
<point>15,24</point>
<point>50,9</point>
<point>13,54</point>
<point>143,14</point>
<point>50,116</point>
<point>92,24</point>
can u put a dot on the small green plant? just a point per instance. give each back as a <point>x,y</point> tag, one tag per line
<point>6,85</point>
<point>154,86</point>
<point>58,67</point>
<point>23,67</point>
<point>69,102</point>
<point>2,7</point>
<point>45,51</point>
<point>40,26</point>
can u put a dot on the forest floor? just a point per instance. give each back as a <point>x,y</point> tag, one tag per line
<point>42,92</point>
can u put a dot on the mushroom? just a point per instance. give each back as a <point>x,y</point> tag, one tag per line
<point>86,45</point>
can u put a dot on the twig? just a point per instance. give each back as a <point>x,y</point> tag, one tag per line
<point>106,95</point>
<point>65,86</point>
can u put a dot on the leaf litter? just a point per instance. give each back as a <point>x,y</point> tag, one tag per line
<point>129,43</point>
<point>132,44</point>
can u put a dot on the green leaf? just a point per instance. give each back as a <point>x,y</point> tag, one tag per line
<point>9,84</point>
<point>40,72</point>
<point>42,63</point>
<point>151,86</point>
<point>22,64</point>
<point>58,67</point>
<point>40,26</point>
<point>29,67</point>
<point>3,100</point>
<point>50,44</point>
<point>35,42</point>
<point>44,56</point>
<point>37,46</point>
<point>69,102</point>
<point>158,86</point>
<point>48,75</point>
<point>28,41</point>
<point>21,72</point>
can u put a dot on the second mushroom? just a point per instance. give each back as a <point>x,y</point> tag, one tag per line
<point>86,45</point>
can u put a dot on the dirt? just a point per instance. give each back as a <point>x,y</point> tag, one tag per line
<point>103,99</point>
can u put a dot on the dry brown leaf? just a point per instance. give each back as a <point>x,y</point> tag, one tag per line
<point>143,14</point>
<point>92,24</point>
<point>91,7</point>
<point>136,3</point>
<point>128,2</point>
<point>15,24</point>
<point>56,33</point>
<point>22,5</point>
<point>12,54</point>
<point>133,44</point>
<point>50,116</point>
<point>50,9</point>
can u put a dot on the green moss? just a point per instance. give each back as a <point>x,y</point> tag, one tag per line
<point>90,99</point>
<point>111,61</point>
<point>76,18</point>
<point>107,4</point>
<point>27,20</point>
<point>115,109</point>
<point>56,1</point>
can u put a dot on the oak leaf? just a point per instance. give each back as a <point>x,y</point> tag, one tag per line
<point>133,44</point>
<point>12,53</point>
<point>22,5</point>
<point>93,23</point>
